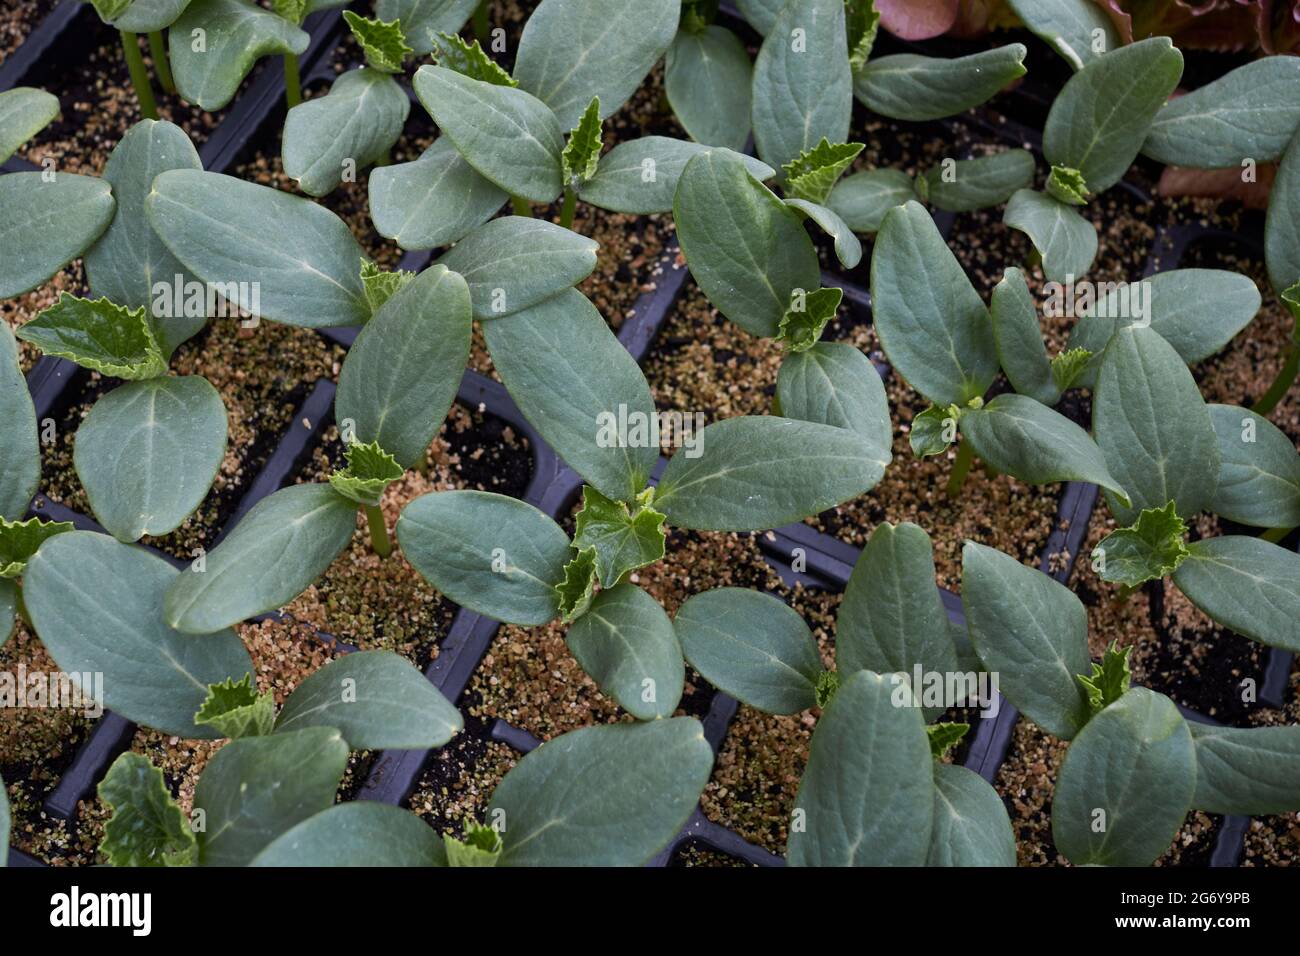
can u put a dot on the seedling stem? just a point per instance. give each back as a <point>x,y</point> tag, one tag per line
<point>570,206</point>
<point>292,85</point>
<point>1275,535</point>
<point>378,531</point>
<point>482,25</point>
<point>521,206</point>
<point>139,75</point>
<point>960,468</point>
<point>1281,385</point>
<point>161,65</point>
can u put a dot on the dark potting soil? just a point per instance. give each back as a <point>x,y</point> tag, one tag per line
<point>698,853</point>
<point>18,21</point>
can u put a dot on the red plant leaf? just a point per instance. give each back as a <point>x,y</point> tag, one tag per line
<point>917,19</point>
<point>1219,184</point>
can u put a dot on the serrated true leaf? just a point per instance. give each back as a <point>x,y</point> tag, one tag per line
<point>581,154</point>
<point>153,675</point>
<point>624,538</point>
<point>813,173</point>
<point>944,736</point>
<point>752,646</point>
<point>380,285</point>
<point>627,644</point>
<point>369,471</point>
<point>1068,186</point>
<point>235,709</point>
<point>295,11</point>
<point>47,224</point>
<point>147,826</point>
<point>574,594</point>
<point>20,540</point>
<point>862,21</point>
<point>236,35</point>
<point>382,43</point>
<point>1135,763</point>
<point>933,430</point>
<point>98,335</point>
<point>24,112</point>
<point>1067,366</point>
<point>1065,240</point>
<point>912,87</point>
<point>480,846</point>
<point>424,21</point>
<point>377,700</point>
<point>802,325</point>
<point>1151,548</point>
<point>467,58</point>
<point>1109,680</point>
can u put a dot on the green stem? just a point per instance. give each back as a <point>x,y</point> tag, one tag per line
<point>960,468</point>
<point>1275,535</point>
<point>386,159</point>
<point>1281,385</point>
<point>482,24</point>
<point>1123,596</point>
<point>570,206</point>
<point>161,65</point>
<point>292,85</point>
<point>378,531</point>
<point>521,206</point>
<point>139,76</point>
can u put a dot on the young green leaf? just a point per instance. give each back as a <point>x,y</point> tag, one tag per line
<point>847,247</point>
<point>892,619</point>
<point>295,11</point>
<point>1126,783</point>
<point>1153,426</point>
<point>1249,772</point>
<point>934,430</point>
<point>507,135</point>
<point>582,390</point>
<point>833,383</point>
<point>382,43</point>
<point>1259,471</point>
<point>1031,630</point>
<point>514,263</point>
<point>257,788</point>
<point>25,111</point>
<point>802,325</point>
<point>98,335</point>
<point>369,471</point>
<point>20,540</point>
<point>1068,366</point>
<point>110,10</point>
<point>863,23</point>
<point>867,794</point>
<point>803,88</point>
<point>932,323</point>
<point>19,441</point>
<point>574,594</point>
<point>911,87</point>
<point>640,176</point>
<point>129,259</point>
<point>763,472</point>
<point>813,173</point>
<point>379,285</point>
<point>971,826</point>
<point>1019,340</point>
<point>1281,226</point>
<point>1246,584</point>
<point>1109,680</point>
<point>148,452</point>
<point>361,833</point>
<point>708,82</point>
<point>1079,30</point>
<point>468,59</point>
<point>352,126</point>
<point>944,736</point>
<point>1066,241</point>
<point>432,201</point>
<point>760,14</point>
<point>970,184</point>
<point>1101,117</point>
<point>863,199</point>
<point>1068,186</point>
<point>236,35</point>
<point>153,675</point>
<point>624,538</point>
<point>275,553</point>
<point>147,826</point>
<point>752,646</point>
<point>603,796</point>
<point>572,50</point>
<point>1023,438</point>
<point>581,154</point>
<point>746,248</point>
<point>401,374</point>
<point>495,555</point>
<point>626,643</point>
<point>47,224</point>
<point>828,683</point>
<point>301,256</point>
<point>424,21</point>
<point>376,700</point>
<point>1151,548</point>
<point>481,847</point>
<point>1249,113</point>
<point>235,709</point>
